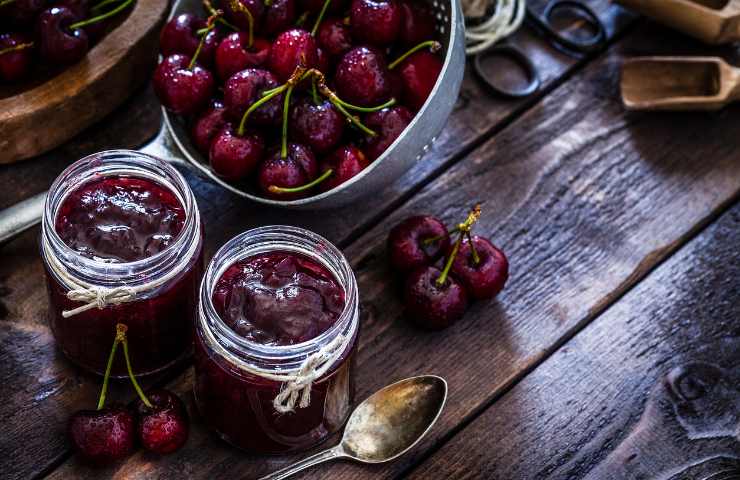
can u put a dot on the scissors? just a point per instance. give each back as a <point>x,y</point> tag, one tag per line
<point>543,25</point>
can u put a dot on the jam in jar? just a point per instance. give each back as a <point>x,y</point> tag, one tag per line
<point>272,299</point>
<point>122,242</point>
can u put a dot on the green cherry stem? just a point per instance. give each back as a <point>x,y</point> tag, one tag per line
<point>274,92</point>
<point>121,331</point>
<point>433,45</point>
<point>314,92</point>
<point>209,26</point>
<point>108,367</point>
<point>349,106</point>
<point>212,11</point>
<point>302,19</point>
<point>96,8</point>
<point>429,241</point>
<point>268,3</point>
<point>442,279</point>
<point>336,101</point>
<point>238,6</point>
<point>6,2</point>
<point>320,17</point>
<point>354,120</point>
<point>286,107</point>
<point>101,17</point>
<point>313,183</point>
<point>476,257</point>
<point>16,48</point>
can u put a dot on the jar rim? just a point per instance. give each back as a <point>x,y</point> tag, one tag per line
<point>111,163</point>
<point>265,239</point>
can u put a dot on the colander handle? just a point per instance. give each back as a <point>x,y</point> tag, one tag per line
<point>18,218</point>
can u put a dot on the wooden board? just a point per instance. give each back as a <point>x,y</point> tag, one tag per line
<point>623,399</point>
<point>585,200</point>
<point>39,119</point>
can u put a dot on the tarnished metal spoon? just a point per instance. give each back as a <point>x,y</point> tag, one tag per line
<point>385,426</point>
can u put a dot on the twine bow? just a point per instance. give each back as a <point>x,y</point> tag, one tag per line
<point>98,297</point>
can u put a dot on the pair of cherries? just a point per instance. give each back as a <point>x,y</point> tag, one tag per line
<point>158,422</point>
<point>474,269</point>
<point>56,33</point>
<point>297,111</point>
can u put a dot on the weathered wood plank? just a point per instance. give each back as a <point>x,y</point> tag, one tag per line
<point>584,199</point>
<point>623,399</point>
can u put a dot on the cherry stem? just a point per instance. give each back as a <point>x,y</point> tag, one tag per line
<point>433,45</point>
<point>209,26</point>
<point>6,2</point>
<point>354,120</point>
<point>15,48</point>
<point>121,332</point>
<point>314,92</point>
<point>100,5</point>
<point>309,185</point>
<point>273,92</point>
<point>268,3</point>
<point>320,17</point>
<point>349,106</point>
<point>429,241</point>
<point>212,11</point>
<point>302,19</point>
<point>464,229</point>
<point>286,106</point>
<point>238,6</point>
<point>101,17</point>
<point>108,367</point>
<point>476,257</point>
<point>336,101</point>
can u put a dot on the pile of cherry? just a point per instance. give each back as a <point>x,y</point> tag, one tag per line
<point>50,33</point>
<point>158,421</point>
<point>298,109</point>
<point>472,268</point>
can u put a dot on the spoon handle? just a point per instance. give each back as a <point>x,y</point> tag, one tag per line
<point>325,456</point>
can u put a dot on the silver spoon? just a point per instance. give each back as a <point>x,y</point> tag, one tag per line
<point>385,426</point>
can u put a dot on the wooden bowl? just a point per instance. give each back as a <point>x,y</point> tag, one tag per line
<point>37,120</point>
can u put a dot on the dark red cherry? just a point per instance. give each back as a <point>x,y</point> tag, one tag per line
<point>234,157</point>
<point>279,16</point>
<point>334,36</point>
<point>163,428</point>
<point>376,22</point>
<point>182,90</point>
<point>244,88</point>
<point>21,13</point>
<point>430,305</point>
<point>81,8</point>
<point>346,162</point>
<point>298,168</point>
<point>419,74</point>
<point>323,62</point>
<point>418,24</point>
<point>103,436</point>
<point>362,77</point>
<point>388,123</point>
<point>487,277</point>
<point>291,48</point>
<point>320,126</point>
<point>233,54</point>
<point>16,64</point>
<point>180,35</point>
<point>238,18</point>
<point>417,242</point>
<point>315,6</point>
<point>57,43</point>
<point>207,125</point>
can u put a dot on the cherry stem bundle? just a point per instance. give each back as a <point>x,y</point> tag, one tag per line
<point>433,46</point>
<point>320,17</point>
<point>212,11</point>
<point>464,229</point>
<point>121,337</point>
<point>209,26</point>
<point>101,17</point>
<point>307,186</point>
<point>238,6</point>
<point>16,48</point>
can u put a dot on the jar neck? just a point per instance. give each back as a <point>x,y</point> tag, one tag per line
<point>248,355</point>
<point>120,163</point>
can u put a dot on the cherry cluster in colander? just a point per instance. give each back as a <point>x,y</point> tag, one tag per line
<point>297,96</point>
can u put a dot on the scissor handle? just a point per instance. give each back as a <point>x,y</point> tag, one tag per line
<point>533,77</point>
<point>544,23</point>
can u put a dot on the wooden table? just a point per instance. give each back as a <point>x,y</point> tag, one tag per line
<point>623,232</point>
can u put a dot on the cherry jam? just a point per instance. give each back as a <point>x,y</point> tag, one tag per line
<point>123,219</point>
<point>270,298</point>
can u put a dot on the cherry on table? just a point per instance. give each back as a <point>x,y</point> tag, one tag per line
<point>279,16</point>
<point>416,242</point>
<point>482,269</point>
<point>292,48</point>
<point>16,56</point>
<point>234,54</point>
<point>180,35</point>
<point>362,77</point>
<point>318,125</point>
<point>388,123</point>
<point>233,157</point>
<point>183,87</point>
<point>244,88</point>
<point>334,36</point>
<point>298,168</point>
<point>58,44</point>
<point>418,24</point>
<point>207,125</point>
<point>376,22</point>
<point>103,436</point>
<point>162,428</point>
<point>433,304</point>
<point>345,162</point>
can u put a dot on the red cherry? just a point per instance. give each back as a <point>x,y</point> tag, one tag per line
<point>233,54</point>
<point>431,305</point>
<point>244,88</point>
<point>295,170</point>
<point>320,126</point>
<point>235,157</point>
<point>487,277</point>
<point>279,16</point>
<point>362,77</point>
<point>376,22</point>
<point>239,18</point>
<point>181,89</point>
<point>21,13</point>
<point>334,36</point>
<point>179,35</point>
<point>16,62</point>
<point>57,43</point>
<point>418,24</point>
<point>207,126</point>
<point>163,428</point>
<point>388,123</point>
<point>419,72</point>
<point>323,62</point>
<point>102,436</point>
<point>417,242</point>
<point>346,162</point>
<point>291,48</point>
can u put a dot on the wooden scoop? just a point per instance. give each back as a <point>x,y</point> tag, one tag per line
<point>711,21</point>
<point>679,83</point>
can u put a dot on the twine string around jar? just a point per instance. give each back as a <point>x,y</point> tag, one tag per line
<point>95,296</point>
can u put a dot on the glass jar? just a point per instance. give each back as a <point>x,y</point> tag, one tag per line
<point>236,402</point>
<point>160,314</point>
